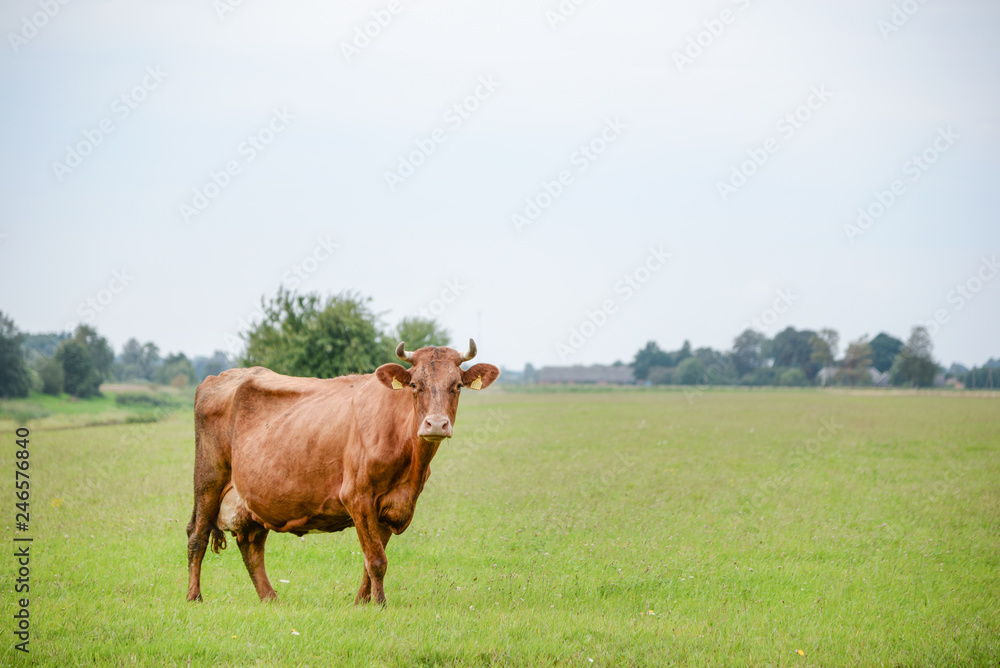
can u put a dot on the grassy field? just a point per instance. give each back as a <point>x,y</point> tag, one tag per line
<point>644,528</point>
<point>64,412</point>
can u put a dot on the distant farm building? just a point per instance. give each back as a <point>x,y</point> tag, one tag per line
<point>582,375</point>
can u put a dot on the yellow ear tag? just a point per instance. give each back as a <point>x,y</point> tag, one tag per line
<point>477,384</point>
<point>396,385</point>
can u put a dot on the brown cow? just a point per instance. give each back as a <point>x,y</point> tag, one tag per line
<point>278,453</point>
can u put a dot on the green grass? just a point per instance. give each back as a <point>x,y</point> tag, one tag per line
<point>630,528</point>
<point>44,411</point>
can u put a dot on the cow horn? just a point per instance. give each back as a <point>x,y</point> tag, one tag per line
<point>472,351</point>
<point>402,354</point>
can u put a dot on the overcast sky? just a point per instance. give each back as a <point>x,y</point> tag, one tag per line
<point>664,171</point>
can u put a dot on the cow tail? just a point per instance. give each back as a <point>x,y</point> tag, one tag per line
<point>218,540</point>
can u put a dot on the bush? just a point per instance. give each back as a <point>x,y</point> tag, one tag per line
<point>52,377</point>
<point>14,378</point>
<point>142,417</point>
<point>690,372</point>
<point>660,375</point>
<point>80,377</point>
<point>793,377</point>
<point>22,411</point>
<point>142,400</point>
<point>35,379</point>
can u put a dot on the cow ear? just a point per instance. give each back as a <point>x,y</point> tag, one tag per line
<point>393,376</point>
<point>480,376</point>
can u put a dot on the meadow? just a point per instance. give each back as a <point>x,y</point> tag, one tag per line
<point>615,528</point>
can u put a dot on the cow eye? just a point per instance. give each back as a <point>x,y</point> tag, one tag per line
<point>413,385</point>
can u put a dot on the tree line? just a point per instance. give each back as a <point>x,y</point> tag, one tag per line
<point>78,363</point>
<point>326,336</point>
<point>793,358</point>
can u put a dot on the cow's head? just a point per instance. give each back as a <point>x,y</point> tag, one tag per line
<point>435,380</point>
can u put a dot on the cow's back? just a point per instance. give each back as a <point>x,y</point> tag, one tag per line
<point>222,400</point>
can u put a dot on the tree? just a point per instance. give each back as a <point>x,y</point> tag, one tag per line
<point>660,375</point>
<point>765,375</point>
<point>306,335</point>
<point>138,361</point>
<point>101,354</point>
<point>53,379</point>
<point>176,370</point>
<point>14,378</point>
<point>149,360</point>
<point>747,351</point>
<point>857,360</point>
<point>649,357</point>
<point>212,366</point>
<point>914,365</point>
<point>824,347</point>
<point>985,377</point>
<point>884,351</point>
<point>793,348</point>
<point>129,365</point>
<point>416,333</point>
<point>42,345</point>
<point>689,372</point>
<point>80,378</point>
<point>718,367</point>
<point>793,378</point>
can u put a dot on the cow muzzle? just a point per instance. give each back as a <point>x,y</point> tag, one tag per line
<point>435,428</point>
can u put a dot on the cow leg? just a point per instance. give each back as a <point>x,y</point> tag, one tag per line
<point>373,537</point>
<point>252,548</point>
<point>201,529</point>
<point>365,592</point>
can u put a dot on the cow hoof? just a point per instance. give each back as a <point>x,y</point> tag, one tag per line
<point>195,599</point>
